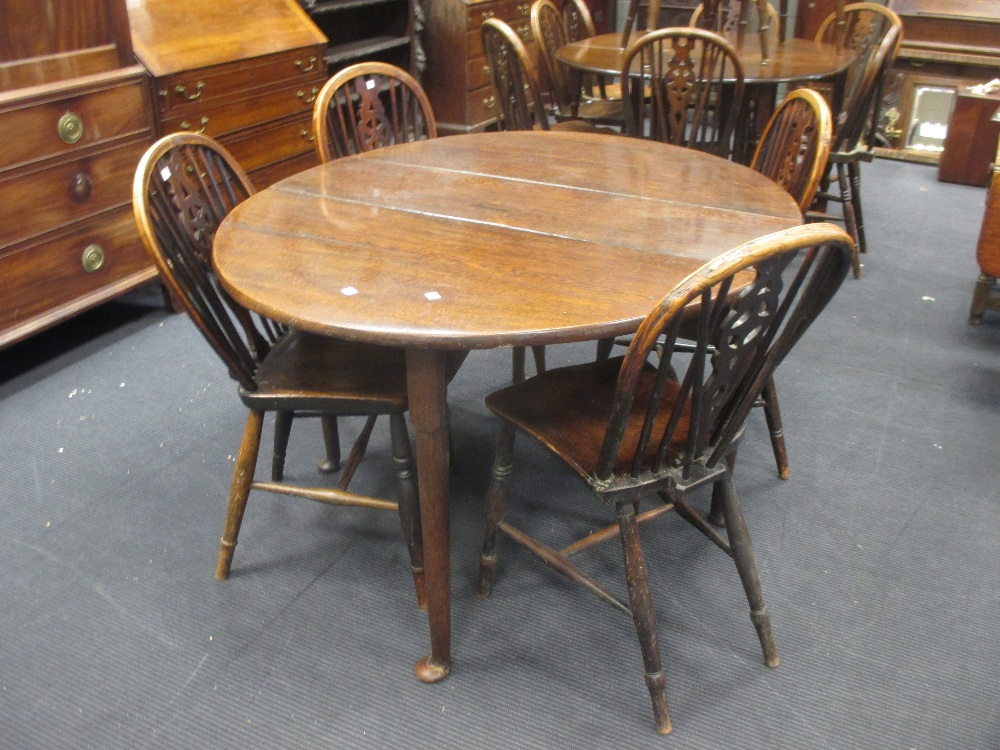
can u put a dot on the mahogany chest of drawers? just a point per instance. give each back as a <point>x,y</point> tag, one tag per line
<point>457,79</point>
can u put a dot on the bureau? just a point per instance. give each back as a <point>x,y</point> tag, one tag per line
<point>246,74</point>
<point>457,79</point>
<point>75,114</point>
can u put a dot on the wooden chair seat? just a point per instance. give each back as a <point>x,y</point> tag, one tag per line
<point>305,371</point>
<point>568,409</point>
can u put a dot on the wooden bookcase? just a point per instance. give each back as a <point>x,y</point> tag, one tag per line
<point>74,107</point>
<point>357,30</point>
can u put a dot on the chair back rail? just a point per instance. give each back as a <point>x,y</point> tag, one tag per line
<point>514,79</point>
<point>741,337</point>
<point>795,145</point>
<point>858,121</point>
<point>184,186</point>
<point>549,29</point>
<point>367,106</point>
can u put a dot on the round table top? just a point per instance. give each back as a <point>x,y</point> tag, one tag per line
<point>491,239</point>
<point>792,60</point>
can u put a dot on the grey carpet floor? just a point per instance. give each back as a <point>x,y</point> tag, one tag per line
<point>879,556</point>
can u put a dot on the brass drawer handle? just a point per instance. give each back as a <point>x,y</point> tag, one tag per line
<point>486,70</point>
<point>490,102</point>
<point>308,100</point>
<point>524,32</point>
<point>487,14</point>
<point>80,187</point>
<point>306,135</point>
<point>70,128</point>
<point>92,258</point>
<point>182,90</point>
<point>304,68</point>
<point>523,9</point>
<point>203,122</point>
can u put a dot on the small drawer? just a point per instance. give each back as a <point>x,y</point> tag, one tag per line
<point>478,73</point>
<point>63,268</point>
<point>69,123</point>
<point>195,88</point>
<point>258,147</point>
<point>476,14</point>
<point>474,42</point>
<point>482,106</point>
<point>57,195</point>
<point>237,114</point>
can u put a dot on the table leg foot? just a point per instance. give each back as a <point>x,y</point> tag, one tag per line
<point>429,671</point>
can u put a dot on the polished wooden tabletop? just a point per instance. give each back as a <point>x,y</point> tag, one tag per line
<point>485,240</point>
<point>791,60</point>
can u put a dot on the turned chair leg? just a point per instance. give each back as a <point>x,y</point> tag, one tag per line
<point>246,462</point>
<point>496,507</point>
<point>716,516</point>
<point>854,172</point>
<point>847,202</point>
<point>643,614</point>
<point>739,542</point>
<point>409,506</point>
<point>282,429</point>
<point>980,294</point>
<point>772,413</point>
<point>331,439</point>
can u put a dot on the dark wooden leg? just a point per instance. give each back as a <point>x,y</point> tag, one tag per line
<point>773,415</point>
<point>739,542</point>
<point>426,383</point>
<point>246,462</point>
<point>331,439</point>
<point>409,508</point>
<point>854,172</point>
<point>643,614</point>
<point>538,352</point>
<point>496,507</point>
<point>980,294</point>
<point>604,348</point>
<point>517,364</point>
<point>282,429</point>
<point>715,515</point>
<point>847,202</point>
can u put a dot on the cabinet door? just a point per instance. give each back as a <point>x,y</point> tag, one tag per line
<point>811,13</point>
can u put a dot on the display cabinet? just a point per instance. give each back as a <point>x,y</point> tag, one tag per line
<point>75,113</point>
<point>362,30</point>
<point>246,74</point>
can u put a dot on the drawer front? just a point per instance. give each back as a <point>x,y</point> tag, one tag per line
<point>478,73</point>
<point>260,107</point>
<point>266,176</point>
<point>178,93</point>
<point>42,277</point>
<point>266,145</point>
<point>66,192</point>
<point>482,106</point>
<point>511,12</point>
<point>474,42</point>
<point>70,123</point>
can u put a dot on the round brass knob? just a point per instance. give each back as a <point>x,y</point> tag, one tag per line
<point>80,187</point>
<point>93,258</point>
<point>70,127</point>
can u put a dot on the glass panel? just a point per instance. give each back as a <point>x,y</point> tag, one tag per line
<point>929,117</point>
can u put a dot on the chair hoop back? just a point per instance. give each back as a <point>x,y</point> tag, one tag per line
<point>736,19</point>
<point>863,31</point>
<point>851,129</point>
<point>184,186</point>
<point>515,81</point>
<point>742,336</point>
<point>682,86</point>
<point>548,28</point>
<point>795,145</point>
<point>577,20</point>
<point>367,106</point>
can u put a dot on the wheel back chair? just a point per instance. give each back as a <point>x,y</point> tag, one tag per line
<point>549,27</point>
<point>874,33</point>
<point>792,151</point>
<point>367,106</point>
<point>643,427</point>
<point>682,86</point>
<point>185,185</point>
<point>740,17</point>
<point>579,24</point>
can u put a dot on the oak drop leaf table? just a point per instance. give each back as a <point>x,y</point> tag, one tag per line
<point>480,241</point>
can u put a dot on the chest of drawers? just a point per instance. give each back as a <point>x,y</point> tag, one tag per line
<point>75,114</point>
<point>457,78</point>
<point>245,74</point>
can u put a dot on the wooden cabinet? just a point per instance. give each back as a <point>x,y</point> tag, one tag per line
<point>75,113</point>
<point>357,30</point>
<point>246,74</point>
<point>457,78</point>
